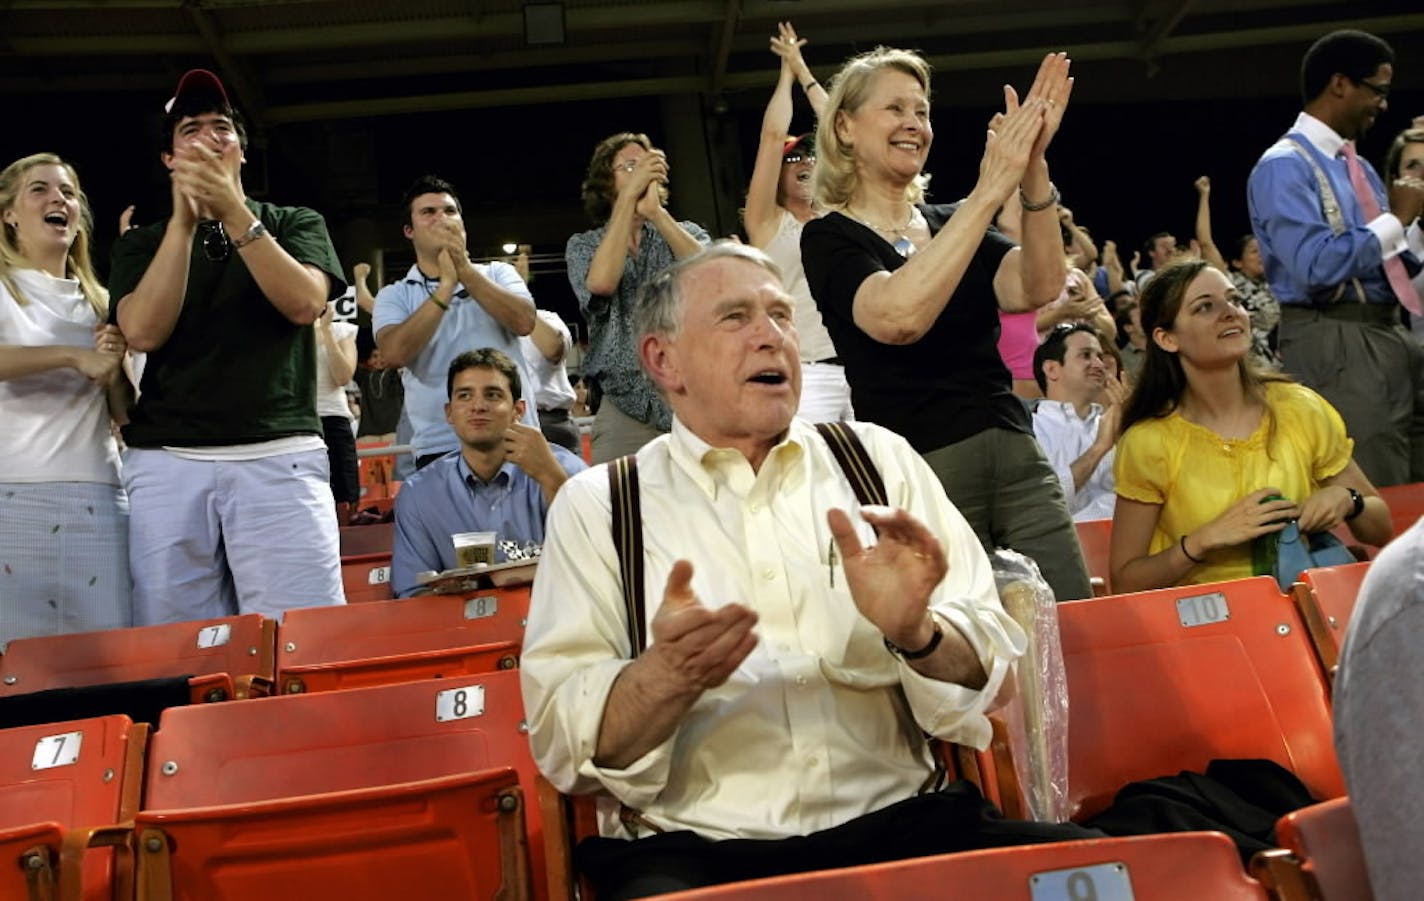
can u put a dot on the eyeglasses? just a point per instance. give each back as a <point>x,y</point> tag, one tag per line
<point>626,167</point>
<point>792,159</point>
<point>1379,90</point>
<point>213,240</point>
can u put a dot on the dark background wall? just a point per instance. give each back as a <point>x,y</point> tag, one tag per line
<point>1132,143</point>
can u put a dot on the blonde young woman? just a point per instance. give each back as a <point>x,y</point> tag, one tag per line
<point>912,292</point>
<point>64,529</point>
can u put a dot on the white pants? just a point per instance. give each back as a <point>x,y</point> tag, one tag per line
<point>210,538</point>
<point>65,548</point>
<point>825,393</point>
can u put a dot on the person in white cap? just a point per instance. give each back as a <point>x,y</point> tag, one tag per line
<point>226,471</point>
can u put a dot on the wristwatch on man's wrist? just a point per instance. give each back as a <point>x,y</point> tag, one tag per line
<point>254,231</point>
<point>922,652</point>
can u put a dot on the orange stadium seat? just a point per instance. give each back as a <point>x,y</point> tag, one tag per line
<point>374,472</point>
<point>367,577</point>
<point>376,538</point>
<point>228,657</point>
<point>393,791</point>
<point>1321,857</point>
<point>73,775</point>
<point>456,836</point>
<point>1406,504</point>
<point>1095,538</point>
<point>1169,680</point>
<point>1325,598</point>
<point>566,821</point>
<point>29,861</point>
<point>1184,866</point>
<point>327,648</point>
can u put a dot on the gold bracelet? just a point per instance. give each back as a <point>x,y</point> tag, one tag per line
<point>444,307</point>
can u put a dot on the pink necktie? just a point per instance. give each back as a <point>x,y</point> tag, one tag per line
<point>1394,266</point>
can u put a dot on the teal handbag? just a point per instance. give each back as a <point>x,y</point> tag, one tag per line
<point>1296,553</point>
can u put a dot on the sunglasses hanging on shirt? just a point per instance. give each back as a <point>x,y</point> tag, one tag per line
<point>213,240</point>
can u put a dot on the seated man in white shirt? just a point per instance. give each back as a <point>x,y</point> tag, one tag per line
<point>798,646</point>
<point>1077,421</point>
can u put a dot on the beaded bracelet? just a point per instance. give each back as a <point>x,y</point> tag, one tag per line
<point>1030,207</point>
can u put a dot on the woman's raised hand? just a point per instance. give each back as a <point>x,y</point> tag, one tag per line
<point>1007,151</point>
<point>788,46</point>
<point>1053,85</point>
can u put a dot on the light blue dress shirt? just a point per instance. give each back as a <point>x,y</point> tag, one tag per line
<point>446,498</point>
<point>1305,260</point>
<point>465,326</point>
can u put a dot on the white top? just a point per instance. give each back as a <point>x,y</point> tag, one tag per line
<point>56,423</point>
<point>785,249</point>
<point>820,723</point>
<point>1065,436</point>
<point>552,388</point>
<point>331,397</point>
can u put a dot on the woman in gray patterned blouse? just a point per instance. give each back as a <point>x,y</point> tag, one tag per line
<point>625,194</point>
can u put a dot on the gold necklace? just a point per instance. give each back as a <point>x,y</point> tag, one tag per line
<point>901,243</point>
<point>897,231</point>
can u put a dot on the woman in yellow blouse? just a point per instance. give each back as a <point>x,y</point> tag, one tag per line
<point>1215,453</point>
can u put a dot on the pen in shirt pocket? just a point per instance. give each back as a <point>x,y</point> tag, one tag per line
<point>831,562</point>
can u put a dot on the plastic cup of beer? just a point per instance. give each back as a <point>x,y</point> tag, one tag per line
<point>474,548</point>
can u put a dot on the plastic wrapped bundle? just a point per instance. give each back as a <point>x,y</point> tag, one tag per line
<point>1037,717</point>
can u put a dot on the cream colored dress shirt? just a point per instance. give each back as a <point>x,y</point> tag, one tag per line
<point>820,724</point>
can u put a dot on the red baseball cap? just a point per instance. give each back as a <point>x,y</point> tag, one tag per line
<point>198,84</point>
<point>807,142</point>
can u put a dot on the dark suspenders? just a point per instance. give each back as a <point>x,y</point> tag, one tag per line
<point>845,445</point>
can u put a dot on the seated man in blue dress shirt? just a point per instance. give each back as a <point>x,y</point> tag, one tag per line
<point>502,479</point>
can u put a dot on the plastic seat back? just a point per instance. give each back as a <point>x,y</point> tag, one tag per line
<point>258,751</point>
<point>457,836</point>
<point>240,646</point>
<point>1406,504</point>
<point>1321,856</point>
<point>367,577</point>
<point>1095,538</point>
<point>1326,598</point>
<point>380,643</point>
<point>1184,866</point>
<point>375,538</point>
<point>1169,680</point>
<point>78,773</point>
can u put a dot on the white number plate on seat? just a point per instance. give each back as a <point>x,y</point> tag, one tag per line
<point>57,750</point>
<point>1101,882</point>
<point>459,703</point>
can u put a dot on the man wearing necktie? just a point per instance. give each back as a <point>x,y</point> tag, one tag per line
<point>1338,248</point>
